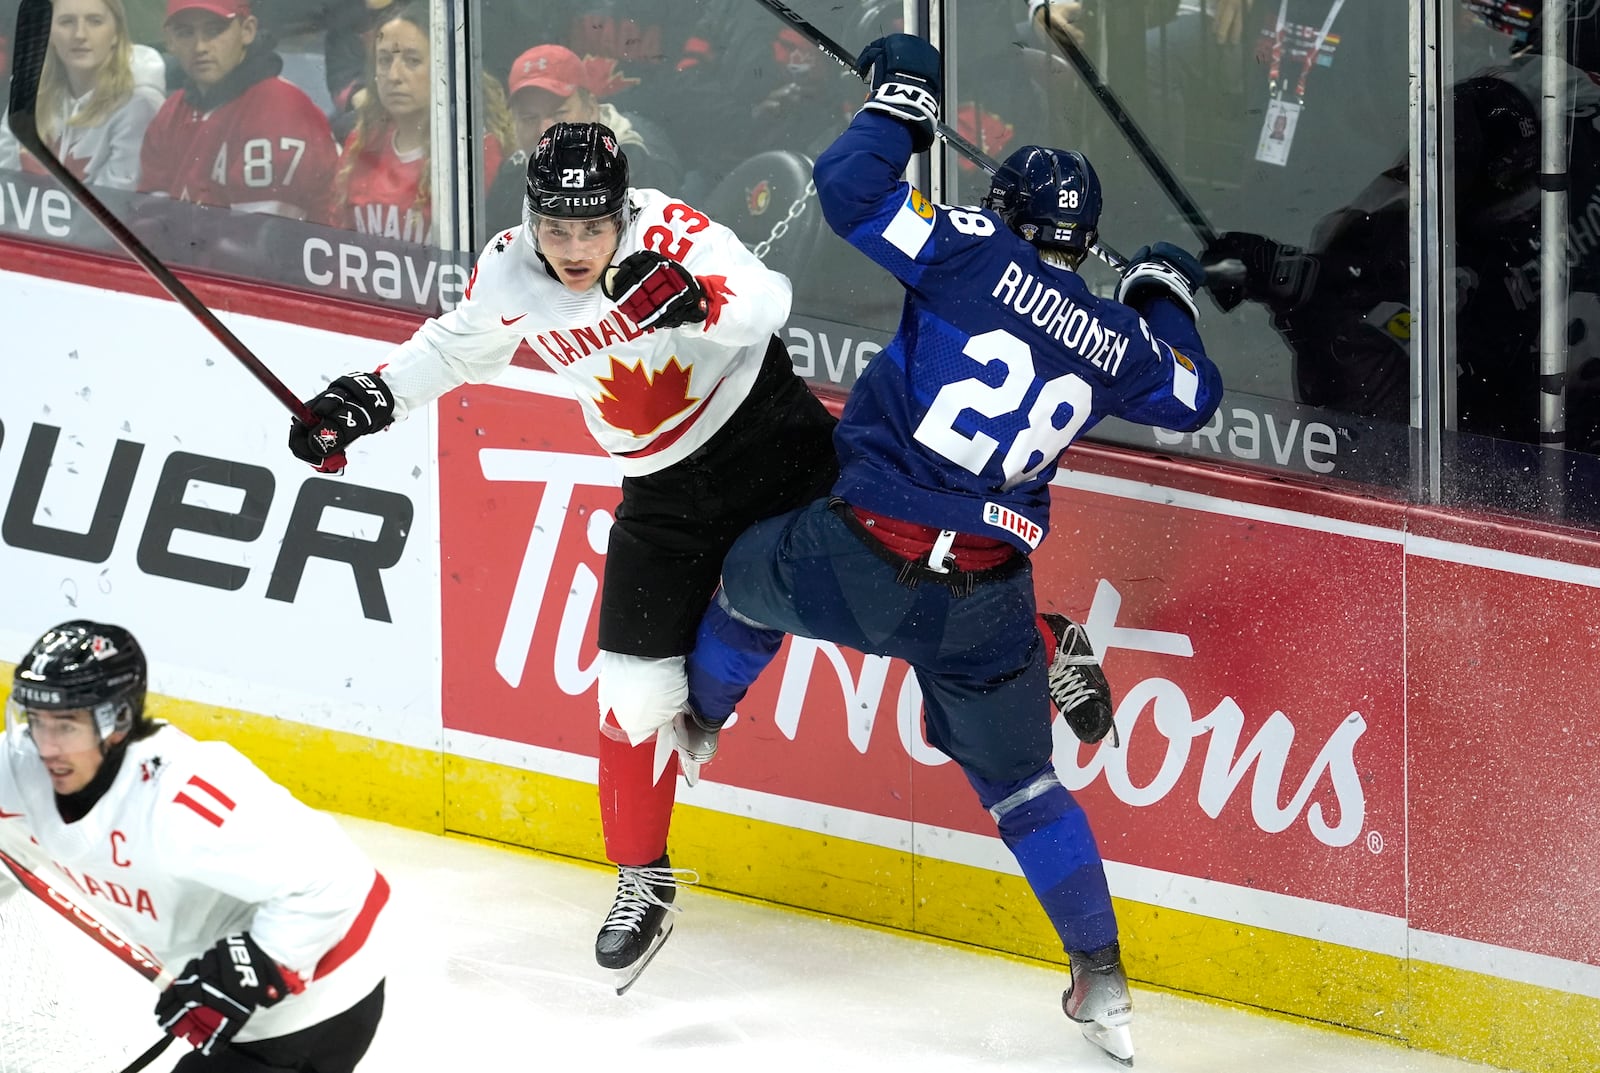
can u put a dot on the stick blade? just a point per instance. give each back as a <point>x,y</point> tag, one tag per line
<point>28,48</point>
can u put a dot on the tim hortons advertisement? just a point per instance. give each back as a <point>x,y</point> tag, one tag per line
<point>145,480</point>
<point>1258,668</point>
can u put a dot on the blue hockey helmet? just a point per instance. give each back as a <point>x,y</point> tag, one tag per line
<point>1051,197</point>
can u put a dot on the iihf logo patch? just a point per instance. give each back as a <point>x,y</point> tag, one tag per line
<point>609,143</point>
<point>1030,533</point>
<point>101,647</point>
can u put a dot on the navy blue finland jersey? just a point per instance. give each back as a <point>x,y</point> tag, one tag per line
<point>1000,361</point>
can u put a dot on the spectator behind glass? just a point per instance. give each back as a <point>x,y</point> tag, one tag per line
<point>549,85</point>
<point>384,183</point>
<point>94,105</point>
<point>236,135</point>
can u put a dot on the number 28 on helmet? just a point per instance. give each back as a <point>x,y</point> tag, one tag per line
<point>1050,197</point>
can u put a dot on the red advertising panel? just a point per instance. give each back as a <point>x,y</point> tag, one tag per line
<point>1256,656</point>
<point>1505,756</point>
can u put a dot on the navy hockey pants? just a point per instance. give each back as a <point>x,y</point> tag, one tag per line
<point>979,661</point>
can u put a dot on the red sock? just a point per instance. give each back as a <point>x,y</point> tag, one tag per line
<point>1049,636</point>
<point>635,812</point>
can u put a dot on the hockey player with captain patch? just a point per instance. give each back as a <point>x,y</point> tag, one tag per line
<point>947,446</point>
<point>260,907</point>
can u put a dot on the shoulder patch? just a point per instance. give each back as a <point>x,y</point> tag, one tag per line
<point>912,224</point>
<point>1185,380</point>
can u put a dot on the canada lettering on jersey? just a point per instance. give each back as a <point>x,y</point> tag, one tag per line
<point>138,900</point>
<point>390,221</point>
<point>1062,319</point>
<point>575,344</point>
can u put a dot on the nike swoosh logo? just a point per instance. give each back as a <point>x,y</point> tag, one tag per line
<point>509,321</point>
<point>4,815</point>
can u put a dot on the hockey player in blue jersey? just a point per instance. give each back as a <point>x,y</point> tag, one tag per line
<point>947,446</point>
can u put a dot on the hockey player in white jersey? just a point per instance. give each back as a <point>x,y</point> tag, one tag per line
<point>663,324</point>
<point>261,908</point>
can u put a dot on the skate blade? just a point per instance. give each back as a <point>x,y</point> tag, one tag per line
<point>689,768</point>
<point>1115,1040</point>
<point>624,978</point>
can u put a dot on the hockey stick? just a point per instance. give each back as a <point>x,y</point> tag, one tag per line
<point>79,918</point>
<point>1141,145</point>
<point>842,56</point>
<point>28,49</point>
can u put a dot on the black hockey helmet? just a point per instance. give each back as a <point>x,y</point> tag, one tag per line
<point>88,665</point>
<point>1050,197</point>
<point>577,172</point>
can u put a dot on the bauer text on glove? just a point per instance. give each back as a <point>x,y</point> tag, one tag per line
<point>352,406</point>
<point>216,993</point>
<point>906,83</point>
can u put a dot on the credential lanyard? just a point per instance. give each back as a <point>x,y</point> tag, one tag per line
<point>1311,57</point>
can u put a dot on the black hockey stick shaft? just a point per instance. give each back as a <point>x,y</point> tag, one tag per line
<point>28,50</point>
<point>149,1055</point>
<point>845,58</point>
<point>1135,136</point>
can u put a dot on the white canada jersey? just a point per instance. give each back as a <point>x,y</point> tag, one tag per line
<point>649,398</point>
<point>192,842</point>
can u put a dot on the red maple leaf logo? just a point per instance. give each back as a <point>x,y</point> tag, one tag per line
<point>717,294</point>
<point>640,403</point>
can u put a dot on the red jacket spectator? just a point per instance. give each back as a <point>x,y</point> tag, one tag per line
<point>237,135</point>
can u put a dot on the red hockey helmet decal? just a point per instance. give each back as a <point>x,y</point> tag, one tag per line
<point>101,647</point>
<point>610,144</point>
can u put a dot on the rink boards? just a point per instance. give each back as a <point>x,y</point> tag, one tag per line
<point>1357,778</point>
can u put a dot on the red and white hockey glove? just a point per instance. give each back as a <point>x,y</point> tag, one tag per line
<point>655,292</point>
<point>218,991</point>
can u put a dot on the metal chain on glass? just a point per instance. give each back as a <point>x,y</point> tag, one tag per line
<point>781,228</point>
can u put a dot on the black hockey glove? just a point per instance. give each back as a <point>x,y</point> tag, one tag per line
<point>655,292</point>
<point>1161,271</point>
<point>218,991</point>
<point>906,82</point>
<point>352,406</point>
<point>1240,265</point>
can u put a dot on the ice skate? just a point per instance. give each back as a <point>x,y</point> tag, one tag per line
<point>697,737</point>
<point>1078,686</point>
<point>1099,1001</point>
<point>640,919</point>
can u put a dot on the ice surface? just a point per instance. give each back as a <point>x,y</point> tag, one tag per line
<point>496,971</point>
<point>493,969</point>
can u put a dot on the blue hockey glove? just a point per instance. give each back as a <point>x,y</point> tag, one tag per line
<point>906,82</point>
<point>1161,271</point>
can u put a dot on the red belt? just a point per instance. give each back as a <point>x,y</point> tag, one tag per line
<point>910,540</point>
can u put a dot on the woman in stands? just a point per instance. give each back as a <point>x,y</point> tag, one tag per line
<point>383,182</point>
<point>94,101</point>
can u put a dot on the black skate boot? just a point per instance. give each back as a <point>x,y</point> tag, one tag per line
<point>1078,686</point>
<point>640,919</point>
<point>1099,1001</point>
